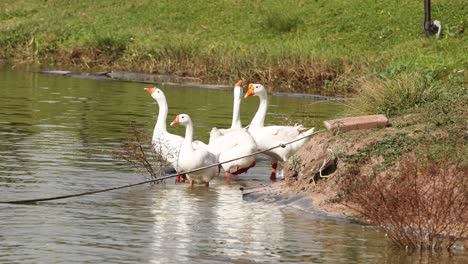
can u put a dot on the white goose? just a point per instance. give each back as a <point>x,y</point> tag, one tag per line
<point>165,143</point>
<point>236,124</point>
<point>190,158</point>
<point>270,136</point>
<point>231,146</point>
<point>233,142</point>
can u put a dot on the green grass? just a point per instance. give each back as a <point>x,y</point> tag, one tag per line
<point>307,46</point>
<point>407,91</point>
<point>434,129</point>
<point>391,148</point>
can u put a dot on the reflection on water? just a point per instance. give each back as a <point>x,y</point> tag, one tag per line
<point>56,137</point>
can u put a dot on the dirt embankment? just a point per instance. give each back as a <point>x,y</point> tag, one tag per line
<point>409,177</point>
<point>317,168</point>
<point>427,146</point>
<point>315,171</point>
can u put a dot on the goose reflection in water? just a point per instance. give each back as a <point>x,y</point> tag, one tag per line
<point>211,222</point>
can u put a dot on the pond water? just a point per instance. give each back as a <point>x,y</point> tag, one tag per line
<point>56,137</point>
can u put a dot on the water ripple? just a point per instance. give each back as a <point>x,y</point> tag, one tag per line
<point>56,140</point>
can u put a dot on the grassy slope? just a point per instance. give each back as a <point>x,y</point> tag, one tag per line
<point>293,44</point>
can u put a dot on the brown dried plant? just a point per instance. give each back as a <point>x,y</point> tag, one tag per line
<point>138,150</point>
<point>422,207</point>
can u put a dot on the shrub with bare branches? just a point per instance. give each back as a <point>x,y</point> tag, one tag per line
<point>419,207</point>
<point>139,151</point>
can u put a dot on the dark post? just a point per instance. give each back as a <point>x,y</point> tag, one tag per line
<point>427,17</point>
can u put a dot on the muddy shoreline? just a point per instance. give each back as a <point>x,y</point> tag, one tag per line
<point>169,80</point>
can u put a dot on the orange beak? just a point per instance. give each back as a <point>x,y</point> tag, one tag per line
<point>151,90</point>
<point>239,83</point>
<point>250,91</point>
<point>176,121</point>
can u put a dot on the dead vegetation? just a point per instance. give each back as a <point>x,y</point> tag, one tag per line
<point>421,206</point>
<point>138,151</point>
<point>280,75</point>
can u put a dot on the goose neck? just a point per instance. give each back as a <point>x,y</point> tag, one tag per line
<point>187,144</point>
<point>236,122</point>
<point>162,116</point>
<point>259,118</point>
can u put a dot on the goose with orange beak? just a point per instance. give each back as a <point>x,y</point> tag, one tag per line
<point>236,124</point>
<point>270,136</point>
<point>167,145</point>
<point>191,158</point>
<point>234,142</point>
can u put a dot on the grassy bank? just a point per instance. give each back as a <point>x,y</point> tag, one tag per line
<point>408,178</point>
<point>325,47</point>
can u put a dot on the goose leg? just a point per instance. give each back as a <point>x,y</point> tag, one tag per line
<point>183,178</point>
<point>239,171</point>
<point>228,177</point>
<point>218,170</point>
<point>177,179</point>
<point>273,171</point>
<point>207,184</point>
<point>191,183</point>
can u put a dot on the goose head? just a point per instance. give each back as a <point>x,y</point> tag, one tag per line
<point>255,89</point>
<point>238,90</point>
<point>156,93</point>
<point>182,119</point>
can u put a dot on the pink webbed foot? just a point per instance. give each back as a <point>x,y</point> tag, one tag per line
<point>228,177</point>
